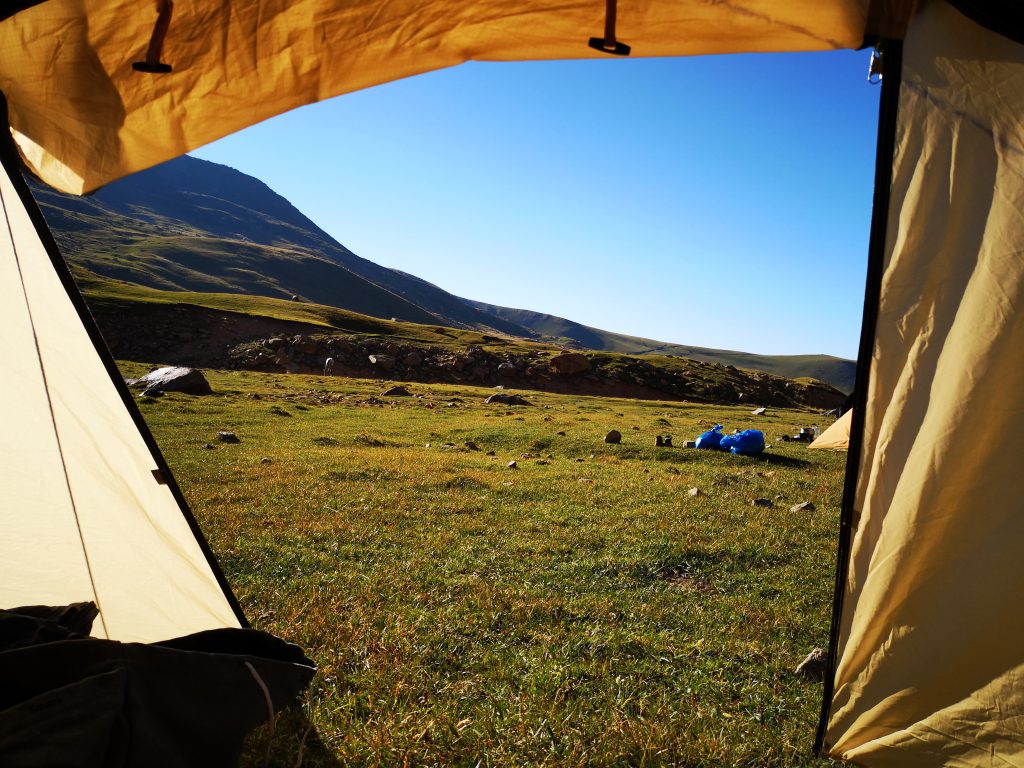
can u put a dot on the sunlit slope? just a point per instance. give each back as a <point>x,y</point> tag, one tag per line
<point>193,225</point>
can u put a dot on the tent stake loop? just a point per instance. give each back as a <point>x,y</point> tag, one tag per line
<point>608,43</point>
<point>152,63</point>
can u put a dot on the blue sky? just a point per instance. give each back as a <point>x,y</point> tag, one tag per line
<point>716,201</point>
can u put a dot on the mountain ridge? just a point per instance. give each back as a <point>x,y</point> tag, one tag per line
<point>194,225</point>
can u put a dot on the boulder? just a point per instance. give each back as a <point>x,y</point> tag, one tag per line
<point>507,399</point>
<point>614,437</point>
<point>570,362</point>
<point>385,362</point>
<point>804,506</point>
<point>413,359</point>
<point>228,437</point>
<point>397,391</point>
<point>507,369</point>
<point>173,379</point>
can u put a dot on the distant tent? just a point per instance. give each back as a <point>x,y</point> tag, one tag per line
<point>925,656</point>
<point>837,436</point>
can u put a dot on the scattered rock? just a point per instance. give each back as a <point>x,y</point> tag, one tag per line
<point>209,446</point>
<point>228,437</point>
<point>413,359</point>
<point>560,433</point>
<point>173,379</point>
<point>507,369</point>
<point>527,455</point>
<point>427,445</point>
<point>758,412</point>
<point>814,666</point>
<point>658,442</point>
<point>673,471</point>
<point>579,460</point>
<point>635,428</point>
<point>542,463</point>
<point>397,391</point>
<point>385,362</point>
<point>803,506</point>
<point>570,362</point>
<point>614,437</point>
<point>471,445</point>
<point>266,460</point>
<point>491,453</point>
<point>512,465</point>
<point>690,444</point>
<point>695,492</point>
<point>763,503</point>
<point>668,441</point>
<point>505,399</point>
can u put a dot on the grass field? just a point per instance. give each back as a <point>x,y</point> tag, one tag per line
<point>579,609</point>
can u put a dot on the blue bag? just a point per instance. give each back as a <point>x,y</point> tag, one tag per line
<point>711,438</point>
<point>749,442</point>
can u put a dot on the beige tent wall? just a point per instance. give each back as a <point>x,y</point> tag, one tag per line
<point>837,436</point>
<point>931,658</point>
<point>82,117</point>
<point>81,515</point>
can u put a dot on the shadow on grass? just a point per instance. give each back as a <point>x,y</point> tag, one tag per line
<point>782,461</point>
<point>293,741</point>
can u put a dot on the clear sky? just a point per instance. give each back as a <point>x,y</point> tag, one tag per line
<point>716,201</point>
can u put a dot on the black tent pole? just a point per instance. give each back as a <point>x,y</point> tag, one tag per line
<point>892,65</point>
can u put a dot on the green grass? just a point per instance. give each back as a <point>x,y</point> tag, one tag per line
<point>566,613</point>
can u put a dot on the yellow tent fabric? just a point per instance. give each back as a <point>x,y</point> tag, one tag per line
<point>929,667</point>
<point>81,515</point>
<point>931,660</point>
<point>83,117</point>
<point>837,436</point>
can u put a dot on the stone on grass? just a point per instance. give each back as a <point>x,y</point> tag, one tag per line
<point>614,437</point>
<point>758,412</point>
<point>763,503</point>
<point>512,465</point>
<point>397,391</point>
<point>695,492</point>
<point>266,460</point>
<point>471,445</point>
<point>690,444</point>
<point>814,666</point>
<point>506,399</point>
<point>173,379</point>
<point>228,437</point>
<point>803,506</point>
<point>560,433</point>
<point>382,361</point>
<point>209,446</point>
<point>491,453</point>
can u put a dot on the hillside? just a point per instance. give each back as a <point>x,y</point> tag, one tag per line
<point>195,226</point>
<point>836,371</point>
<point>275,336</point>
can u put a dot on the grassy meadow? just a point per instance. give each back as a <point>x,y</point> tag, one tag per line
<point>580,609</point>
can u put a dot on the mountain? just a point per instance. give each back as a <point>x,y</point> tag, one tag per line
<point>193,225</point>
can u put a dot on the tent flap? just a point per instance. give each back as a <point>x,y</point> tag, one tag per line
<point>83,516</point>
<point>930,664</point>
<point>83,116</point>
